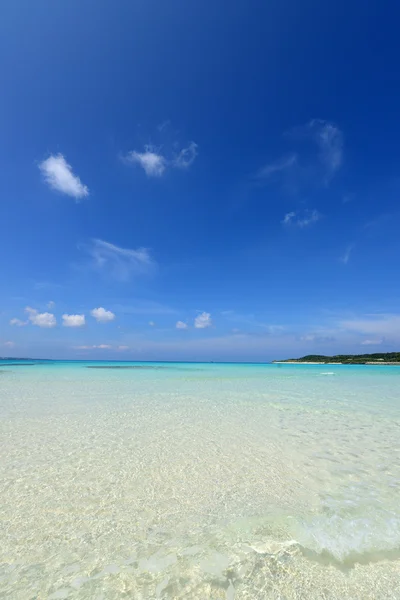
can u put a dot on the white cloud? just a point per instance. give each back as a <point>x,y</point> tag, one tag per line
<point>102,315</point>
<point>51,304</point>
<point>9,344</point>
<point>46,320</point>
<point>59,176</point>
<point>279,165</point>
<point>152,324</point>
<point>346,256</point>
<point>181,325</point>
<point>301,219</point>
<point>186,156</point>
<point>18,322</point>
<point>317,338</point>
<point>372,342</point>
<point>73,320</point>
<point>94,347</point>
<point>154,164</point>
<point>122,348</point>
<point>203,320</point>
<point>120,263</point>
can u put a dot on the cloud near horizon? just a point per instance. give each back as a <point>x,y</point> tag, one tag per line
<point>372,342</point>
<point>94,347</point>
<point>376,325</point>
<point>9,344</point>
<point>181,325</point>
<point>119,348</point>
<point>59,176</point>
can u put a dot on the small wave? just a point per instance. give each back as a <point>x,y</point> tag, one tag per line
<point>328,373</point>
<point>345,541</point>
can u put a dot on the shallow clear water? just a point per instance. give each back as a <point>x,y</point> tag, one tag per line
<point>199,481</point>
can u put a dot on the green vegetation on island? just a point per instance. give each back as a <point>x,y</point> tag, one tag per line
<point>348,359</point>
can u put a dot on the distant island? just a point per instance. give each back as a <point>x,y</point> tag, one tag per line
<point>14,358</point>
<point>381,358</point>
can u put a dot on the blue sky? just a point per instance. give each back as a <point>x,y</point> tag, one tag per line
<point>199,181</point>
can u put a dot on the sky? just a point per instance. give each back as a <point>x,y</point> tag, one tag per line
<point>199,180</point>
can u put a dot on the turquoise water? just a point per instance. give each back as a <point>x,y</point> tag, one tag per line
<point>181,480</point>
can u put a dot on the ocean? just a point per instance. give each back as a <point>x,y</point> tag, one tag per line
<point>182,480</point>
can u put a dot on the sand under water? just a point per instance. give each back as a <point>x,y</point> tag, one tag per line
<point>199,481</point>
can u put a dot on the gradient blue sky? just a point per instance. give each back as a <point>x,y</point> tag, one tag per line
<point>222,179</point>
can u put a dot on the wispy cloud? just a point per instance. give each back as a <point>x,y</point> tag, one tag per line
<point>278,166</point>
<point>181,325</point>
<point>377,325</point>
<point>73,320</point>
<point>329,140</point>
<point>251,321</point>
<point>9,344</point>
<point>164,125</point>
<point>18,322</point>
<point>316,338</point>
<point>348,198</point>
<point>375,342</point>
<point>94,347</point>
<point>59,176</point>
<point>154,163</point>
<point>51,304</point>
<point>203,320</point>
<point>301,218</point>
<point>186,156</point>
<point>45,320</point>
<point>120,263</point>
<point>347,253</point>
<point>44,285</point>
<point>316,161</point>
<point>102,315</point>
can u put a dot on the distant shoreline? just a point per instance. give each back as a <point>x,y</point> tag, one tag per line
<point>304,362</point>
<point>332,364</point>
